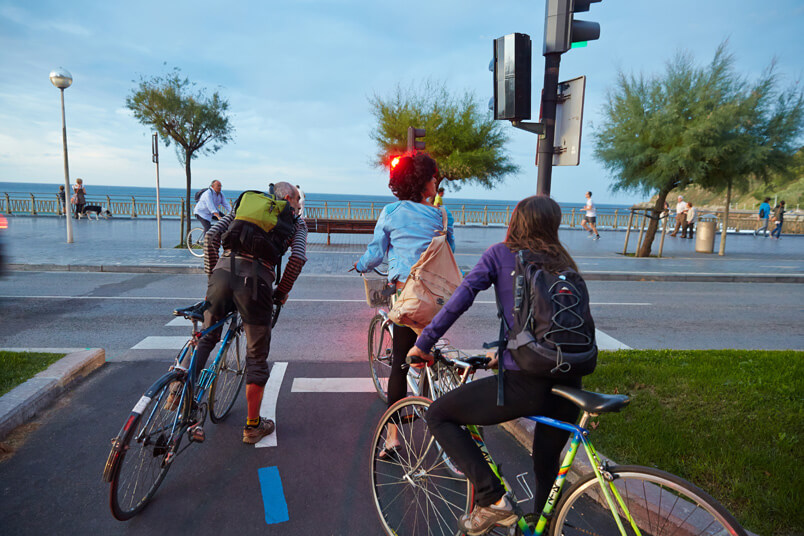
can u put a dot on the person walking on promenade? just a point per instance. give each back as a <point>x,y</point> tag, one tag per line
<point>62,199</point>
<point>533,231</point>
<point>439,198</point>
<point>681,216</point>
<point>692,214</point>
<point>301,202</point>
<point>590,221</point>
<point>79,198</point>
<point>209,205</point>
<point>778,217</point>
<point>764,217</point>
<point>250,289</point>
<point>403,231</point>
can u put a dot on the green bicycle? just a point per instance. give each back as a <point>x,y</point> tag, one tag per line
<point>416,493</point>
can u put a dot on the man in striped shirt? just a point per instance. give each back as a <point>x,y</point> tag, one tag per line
<point>254,301</point>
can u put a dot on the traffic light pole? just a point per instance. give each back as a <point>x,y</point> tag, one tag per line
<point>546,142</point>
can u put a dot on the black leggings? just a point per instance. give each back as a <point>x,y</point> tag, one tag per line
<point>404,339</point>
<point>476,403</point>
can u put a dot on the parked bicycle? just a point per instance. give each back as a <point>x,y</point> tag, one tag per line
<point>416,492</point>
<point>174,407</point>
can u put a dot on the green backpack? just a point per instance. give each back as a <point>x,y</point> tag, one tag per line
<point>262,227</point>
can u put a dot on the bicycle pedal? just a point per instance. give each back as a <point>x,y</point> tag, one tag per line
<point>197,433</point>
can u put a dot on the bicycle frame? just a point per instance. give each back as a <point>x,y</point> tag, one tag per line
<point>579,437</point>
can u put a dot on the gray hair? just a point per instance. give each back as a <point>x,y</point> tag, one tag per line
<point>284,189</point>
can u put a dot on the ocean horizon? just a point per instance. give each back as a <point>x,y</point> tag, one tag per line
<point>99,191</point>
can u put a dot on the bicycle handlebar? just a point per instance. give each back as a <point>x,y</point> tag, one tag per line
<point>476,362</point>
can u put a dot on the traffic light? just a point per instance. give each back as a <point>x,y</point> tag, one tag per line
<point>561,30</point>
<point>511,67</point>
<point>413,143</point>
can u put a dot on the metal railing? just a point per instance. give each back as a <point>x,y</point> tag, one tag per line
<point>19,203</point>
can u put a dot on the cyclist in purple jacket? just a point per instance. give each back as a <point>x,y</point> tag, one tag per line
<point>534,226</point>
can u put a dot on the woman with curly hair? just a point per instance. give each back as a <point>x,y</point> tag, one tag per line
<point>404,230</point>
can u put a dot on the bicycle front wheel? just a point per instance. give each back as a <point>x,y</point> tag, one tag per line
<point>195,241</point>
<point>414,491</point>
<point>380,348</point>
<point>139,459</point>
<point>229,375</point>
<point>655,502</point>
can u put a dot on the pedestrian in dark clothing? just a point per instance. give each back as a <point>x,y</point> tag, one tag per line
<point>62,200</point>
<point>778,217</point>
<point>79,197</point>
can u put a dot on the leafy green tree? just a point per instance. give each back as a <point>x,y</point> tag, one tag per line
<point>195,122</point>
<point>467,144</point>
<point>695,125</point>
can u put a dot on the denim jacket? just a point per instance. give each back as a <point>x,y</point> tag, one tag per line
<point>403,231</point>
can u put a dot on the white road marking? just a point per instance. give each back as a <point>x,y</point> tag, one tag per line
<point>180,321</point>
<point>607,342</point>
<point>161,343</point>
<point>332,385</point>
<point>269,398</point>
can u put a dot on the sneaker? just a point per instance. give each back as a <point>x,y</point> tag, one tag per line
<point>483,518</point>
<point>252,434</point>
<point>597,237</point>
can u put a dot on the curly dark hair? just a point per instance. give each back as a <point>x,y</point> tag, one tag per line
<point>410,175</point>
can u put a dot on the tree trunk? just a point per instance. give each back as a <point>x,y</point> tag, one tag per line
<point>188,156</point>
<point>722,250</point>
<point>653,225</point>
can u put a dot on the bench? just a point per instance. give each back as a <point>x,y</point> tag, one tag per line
<point>330,225</point>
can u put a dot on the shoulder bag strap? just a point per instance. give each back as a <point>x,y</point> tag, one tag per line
<point>444,219</point>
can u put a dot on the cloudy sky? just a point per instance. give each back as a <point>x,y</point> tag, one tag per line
<point>298,76</point>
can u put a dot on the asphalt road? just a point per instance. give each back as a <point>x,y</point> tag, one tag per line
<point>52,484</point>
<point>327,317</point>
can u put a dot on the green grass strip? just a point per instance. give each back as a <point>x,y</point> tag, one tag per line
<point>729,421</point>
<point>17,367</point>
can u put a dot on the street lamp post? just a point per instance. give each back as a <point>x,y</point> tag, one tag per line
<point>62,79</point>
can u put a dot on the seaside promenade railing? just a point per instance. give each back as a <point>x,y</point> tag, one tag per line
<point>29,204</point>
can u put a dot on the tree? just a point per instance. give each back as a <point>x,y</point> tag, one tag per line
<point>197,123</point>
<point>467,145</point>
<point>704,126</point>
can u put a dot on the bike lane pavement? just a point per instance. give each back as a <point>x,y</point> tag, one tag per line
<point>315,480</point>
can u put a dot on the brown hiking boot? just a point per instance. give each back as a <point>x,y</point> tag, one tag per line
<point>252,434</point>
<point>483,518</point>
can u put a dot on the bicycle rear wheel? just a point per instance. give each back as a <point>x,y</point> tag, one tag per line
<point>195,241</point>
<point>229,375</point>
<point>380,344</point>
<point>413,490</point>
<point>660,504</point>
<point>139,459</point>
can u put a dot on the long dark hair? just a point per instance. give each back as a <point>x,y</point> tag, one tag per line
<point>534,227</point>
<point>410,175</point>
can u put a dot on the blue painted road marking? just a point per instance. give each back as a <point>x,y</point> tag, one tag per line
<point>273,497</point>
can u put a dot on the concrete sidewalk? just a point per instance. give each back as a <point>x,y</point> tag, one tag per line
<point>130,245</point>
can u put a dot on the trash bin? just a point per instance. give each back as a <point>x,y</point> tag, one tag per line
<point>705,231</point>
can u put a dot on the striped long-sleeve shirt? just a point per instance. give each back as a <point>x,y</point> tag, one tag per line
<point>298,252</point>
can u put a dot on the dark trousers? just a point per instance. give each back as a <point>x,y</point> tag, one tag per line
<point>404,339</point>
<point>206,224</point>
<point>224,293</point>
<point>777,231</point>
<point>78,208</point>
<point>688,230</point>
<point>476,403</point>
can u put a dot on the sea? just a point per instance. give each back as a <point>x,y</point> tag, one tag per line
<point>17,189</point>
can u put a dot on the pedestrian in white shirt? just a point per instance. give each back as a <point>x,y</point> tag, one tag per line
<point>681,216</point>
<point>590,221</point>
<point>210,205</point>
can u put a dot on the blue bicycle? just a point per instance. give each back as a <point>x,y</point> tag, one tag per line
<point>173,408</point>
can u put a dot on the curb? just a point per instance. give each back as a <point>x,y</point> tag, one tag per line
<point>588,275</point>
<point>26,400</point>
